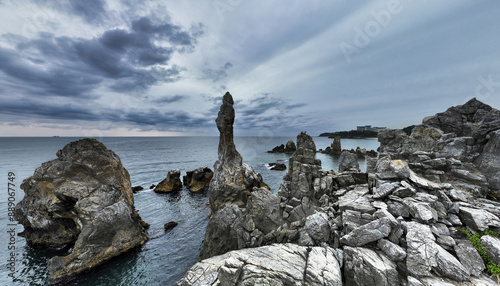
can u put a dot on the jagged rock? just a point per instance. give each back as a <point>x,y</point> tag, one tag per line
<point>392,169</point>
<point>83,197</point>
<point>393,251</point>
<point>356,200</point>
<point>365,267</point>
<point>421,211</point>
<point>278,264</point>
<point>169,225</point>
<point>303,168</point>
<point>264,209</point>
<point>336,146</point>
<point>384,189</point>
<point>448,266</point>
<point>198,179</point>
<point>172,182</point>
<point>277,166</point>
<point>137,188</point>
<point>233,181</point>
<point>354,219</point>
<point>489,160</point>
<point>492,246</point>
<point>152,186</point>
<point>290,147</point>
<point>478,219</point>
<point>367,233</point>
<point>348,162</point>
<point>317,227</point>
<point>469,257</point>
<point>278,149</point>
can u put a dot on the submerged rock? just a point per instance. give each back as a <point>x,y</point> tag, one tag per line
<point>233,181</point>
<point>277,166</point>
<point>82,197</point>
<point>198,179</point>
<point>170,225</point>
<point>172,183</point>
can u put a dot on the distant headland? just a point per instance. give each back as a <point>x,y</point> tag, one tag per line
<point>362,132</point>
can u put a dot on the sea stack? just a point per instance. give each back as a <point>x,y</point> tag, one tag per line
<point>233,181</point>
<point>82,197</point>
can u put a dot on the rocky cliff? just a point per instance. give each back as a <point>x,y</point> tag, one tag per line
<point>402,223</point>
<point>83,197</point>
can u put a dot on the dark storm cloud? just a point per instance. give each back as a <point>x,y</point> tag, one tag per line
<point>90,10</point>
<point>122,60</point>
<point>261,104</point>
<point>170,99</point>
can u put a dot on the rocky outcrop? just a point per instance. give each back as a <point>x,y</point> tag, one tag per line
<point>288,149</point>
<point>277,166</point>
<point>82,197</point>
<point>278,264</point>
<point>460,145</point>
<point>172,183</point>
<point>233,181</point>
<point>401,224</point>
<point>198,180</point>
<point>348,162</point>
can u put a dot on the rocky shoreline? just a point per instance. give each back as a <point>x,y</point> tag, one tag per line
<point>405,221</point>
<point>425,212</point>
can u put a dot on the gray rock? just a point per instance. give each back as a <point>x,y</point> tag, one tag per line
<point>348,162</point>
<point>448,266</point>
<point>392,250</point>
<point>492,246</point>
<point>398,208</point>
<point>392,169</point>
<point>279,264</point>
<point>384,189</point>
<point>421,211</point>
<point>489,160</point>
<point>263,207</point>
<point>82,197</point>
<point>412,281</point>
<point>469,257</point>
<point>198,179</point>
<point>478,219</point>
<point>356,200</point>
<point>317,227</point>
<point>365,267</point>
<point>233,180</point>
<point>290,147</point>
<point>367,233</point>
<point>422,249</point>
<point>354,219</point>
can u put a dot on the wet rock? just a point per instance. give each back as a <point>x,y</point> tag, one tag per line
<point>348,162</point>
<point>170,225</point>
<point>198,179</point>
<point>172,183</point>
<point>278,264</point>
<point>83,197</point>
<point>277,166</point>
<point>137,188</point>
<point>365,267</point>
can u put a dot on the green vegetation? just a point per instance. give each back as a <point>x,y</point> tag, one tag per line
<point>475,239</point>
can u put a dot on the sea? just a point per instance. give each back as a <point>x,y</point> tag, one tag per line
<point>166,256</point>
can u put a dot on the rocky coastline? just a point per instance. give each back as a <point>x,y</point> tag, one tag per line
<point>405,221</point>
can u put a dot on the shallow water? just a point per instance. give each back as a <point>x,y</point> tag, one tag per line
<point>166,257</point>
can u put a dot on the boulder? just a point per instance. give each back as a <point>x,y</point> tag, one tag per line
<point>489,160</point>
<point>492,246</point>
<point>263,207</point>
<point>137,188</point>
<point>366,267</point>
<point>348,162</point>
<point>172,183</point>
<point>170,225</point>
<point>198,179</point>
<point>317,227</point>
<point>233,181</point>
<point>478,219</point>
<point>367,233</point>
<point>82,197</point>
<point>277,166</point>
<point>277,264</point>
<point>393,251</point>
<point>469,257</point>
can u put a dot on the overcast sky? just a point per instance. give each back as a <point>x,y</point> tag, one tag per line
<point>160,68</point>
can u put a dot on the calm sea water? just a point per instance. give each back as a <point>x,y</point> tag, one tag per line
<point>167,256</point>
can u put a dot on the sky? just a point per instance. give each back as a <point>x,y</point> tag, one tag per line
<point>91,68</point>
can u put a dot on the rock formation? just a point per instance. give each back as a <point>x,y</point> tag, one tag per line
<point>82,197</point>
<point>233,181</point>
<point>288,149</point>
<point>172,183</point>
<point>277,166</point>
<point>401,224</point>
<point>198,179</point>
